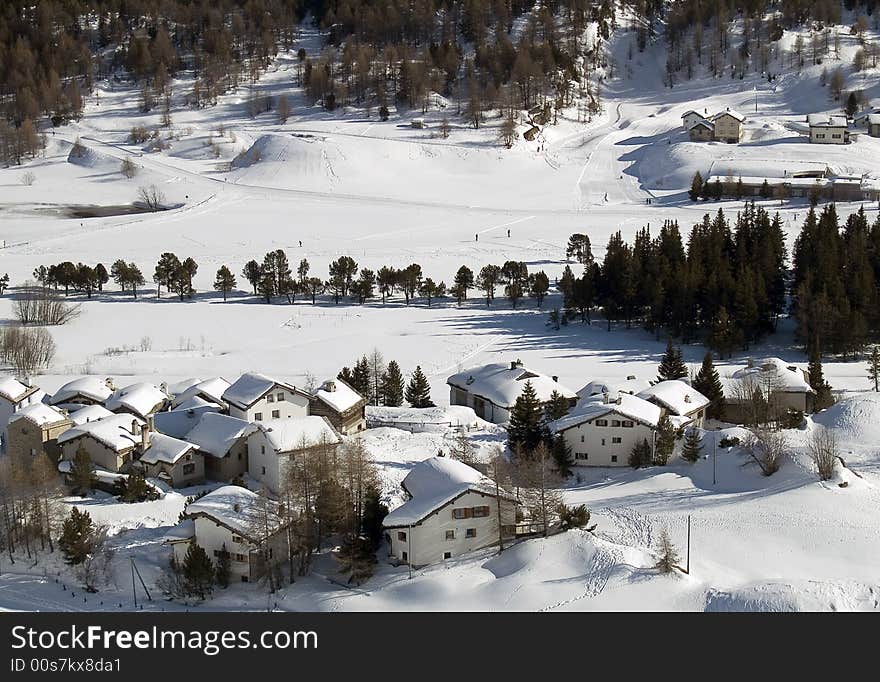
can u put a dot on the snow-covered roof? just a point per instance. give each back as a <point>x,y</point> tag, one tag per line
<point>185,530</point>
<point>787,377</point>
<point>179,387</point>
<point>285,435</point>
<point>196,402</point>
<point>451,415</point>
<point>89,413</point>
<point>676,396</point>
<point>501,384</point>
<point>216,433</point>
<point>236,508</point>
<point>826,121</point>
<point>91,387</point>
<point>141,398</point>
<point>730,112</point>
<point>702,123</point>
<point>210,389</point>
<point>114,431</point>
<point>596,387</point>
<point>873,119</point>
<point>166,449</point>
<point>338,395</point>
<point>13,390</point>
<point>39,414</point>
<point>249,388</point>
<point>627,406</point>
<point>691,111</point>
<point>433,483</point>
<point>178,422</point>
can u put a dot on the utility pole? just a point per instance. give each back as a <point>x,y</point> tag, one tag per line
<point>714,454</point>
<point>133,587</point>
<point>409,550</point>
<point>756,99</point>
<point>688,564</point>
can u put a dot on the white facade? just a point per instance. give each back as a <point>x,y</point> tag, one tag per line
<point>606,441</point>
<point>441,535</point>
<point>9,407</point>
<point>278,403</point>
<point>691,118</point>
<point>264,464</point>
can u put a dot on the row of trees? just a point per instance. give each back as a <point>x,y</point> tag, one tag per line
<point>383,384</point>
<point>726,288</point>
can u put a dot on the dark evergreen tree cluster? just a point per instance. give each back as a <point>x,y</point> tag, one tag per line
<point>836,279</point>
<point>78,277</point>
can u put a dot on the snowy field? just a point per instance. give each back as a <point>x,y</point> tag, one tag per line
<point>385,193</point>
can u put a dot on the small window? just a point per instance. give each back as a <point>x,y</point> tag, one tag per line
<point>258,416</point>
<point>627,424</point>
<point>401,536</point>
<point>262,449</point>
<point>615,422</point>
<point>470,533</point>
<point>613,458</point>
<point>601,422</point>
<point>281,396</point>
<point>582,456</point>
<point>480,512</point>
<point>189,469</point>
<point>405,556</point>
<point>244,578</point>
<point>582,438</point>
<point>264,471</point>
<point>450,535</point>
<point>462,513</point>
<point>603,441</point>
<point>276,414</point>
<point>270,398</point>
<point>447,555</point>
<point>616,441</point>
<point>238,539</point>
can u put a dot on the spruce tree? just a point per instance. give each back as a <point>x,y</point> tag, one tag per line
<point>665,441</point>
<point>692,447</point>
<point>392,385</point>
<point>418,391</point>
<point>224,281</point>
<point>817,382</point>
<point>696,190</point>
<point>360,380</point>
<point>874,367</point>
<point>672,365</point>
<point>557,407</point>
<point>77,533</point>
<point>708,383</point>
<point>82,474</point>
<point>373,516</point>
<point>198,571</point>
<point>562,456</point>
<point>524,429</point>
<point>640,456</point>
<point>224,567</point>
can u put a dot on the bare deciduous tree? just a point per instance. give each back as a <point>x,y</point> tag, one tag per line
<point>537,478</point>
<point>41,305</point>
<point>822,447</point>
<point>151,197</point>
<point>26,349</point>
<point>767,448</point>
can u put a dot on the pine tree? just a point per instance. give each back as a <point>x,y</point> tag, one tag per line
<point>252,272</point>
<point>640,455</point>
<point>82,474</point>
<point>418,391</point>
<point>198,571</point>
<point>817,382</point>
<point>77,532</point>
<point>360,379</point>
<point>373,516</point>
<point>874,367</point>
<point>224,567</point>
<point>672,365</point>
<point>665,441</point>
<point>668,560</point>
<point>562,456</point>
<point>392,385</point>
<point>696,190</point>
<point>692,447</point>
<point>708,383</point>
<point>556,407</point>
<point>224,281</point>
<point>525,427</point>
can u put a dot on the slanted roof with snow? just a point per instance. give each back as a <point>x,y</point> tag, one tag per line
<point>89,413</point>
<point>250,387</point>
<point>501,384</point>
<point>285,435</point>
<point>179,387</point>
<point>730,112</point>
<point>14,391</point>
<point>141,399</point>
<point>237,508</point>
<point>178,422</point>
<point>338,395</point>
<point>434,483</point>
<point>627,406</point>
<point>780,375</point>
<point>691,111</point>
<point>216,433</point>
<point>165,449</point>
<point>197,403</point>
<point>90,387</point>
<point>702,123</point>
<point>40,414</point>
<point>676,396</point>
<point>631,386</point>
<point>113,431</point>
<point>210,389</point>
<point>826,121</point>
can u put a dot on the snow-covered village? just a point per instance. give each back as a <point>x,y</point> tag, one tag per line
<point>439,306</point>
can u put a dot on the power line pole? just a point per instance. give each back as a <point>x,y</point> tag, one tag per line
<point>714,455</point>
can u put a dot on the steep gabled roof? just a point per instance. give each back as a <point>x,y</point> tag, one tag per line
<point>166,449</point>
<point>40,414</point>
<point>91,387</point>
<point>140,398</point>
<point>14,391</point>
<point>114,432</point>
<point>250,387</point>
<point>216,433</point>
<point>209,389</point>
<point>501,384</point>
<point>238,509</point>
<point>627,406</point>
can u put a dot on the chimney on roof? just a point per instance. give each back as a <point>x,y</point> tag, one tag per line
<point>164,387</point>
<point>236,507</point>
<point>108,382</point>
<point>134,427</point>
<point>619,400</point>
<point>631,377</point>
<point>145,437</point>
<point>151,422</point>
<point>605,398</point>
<point>516,363</point>
<point>687,398</point>
<point>555,378</point>
<point>750,363</point>
<point>330,386</point>
<point>27,381</point>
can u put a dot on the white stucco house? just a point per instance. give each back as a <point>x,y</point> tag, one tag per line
<point>828,129</point>
<point>222,441</point>
<point>256,397</point>
<point>14,395</point>
<point>452,509</point>
<point>784,385</point>
<point>275,444</point>
<point>684,405</point>
<point>492,390</point>
<point>603,430</point>
<point>112,443</point>
<point>232,519</point>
